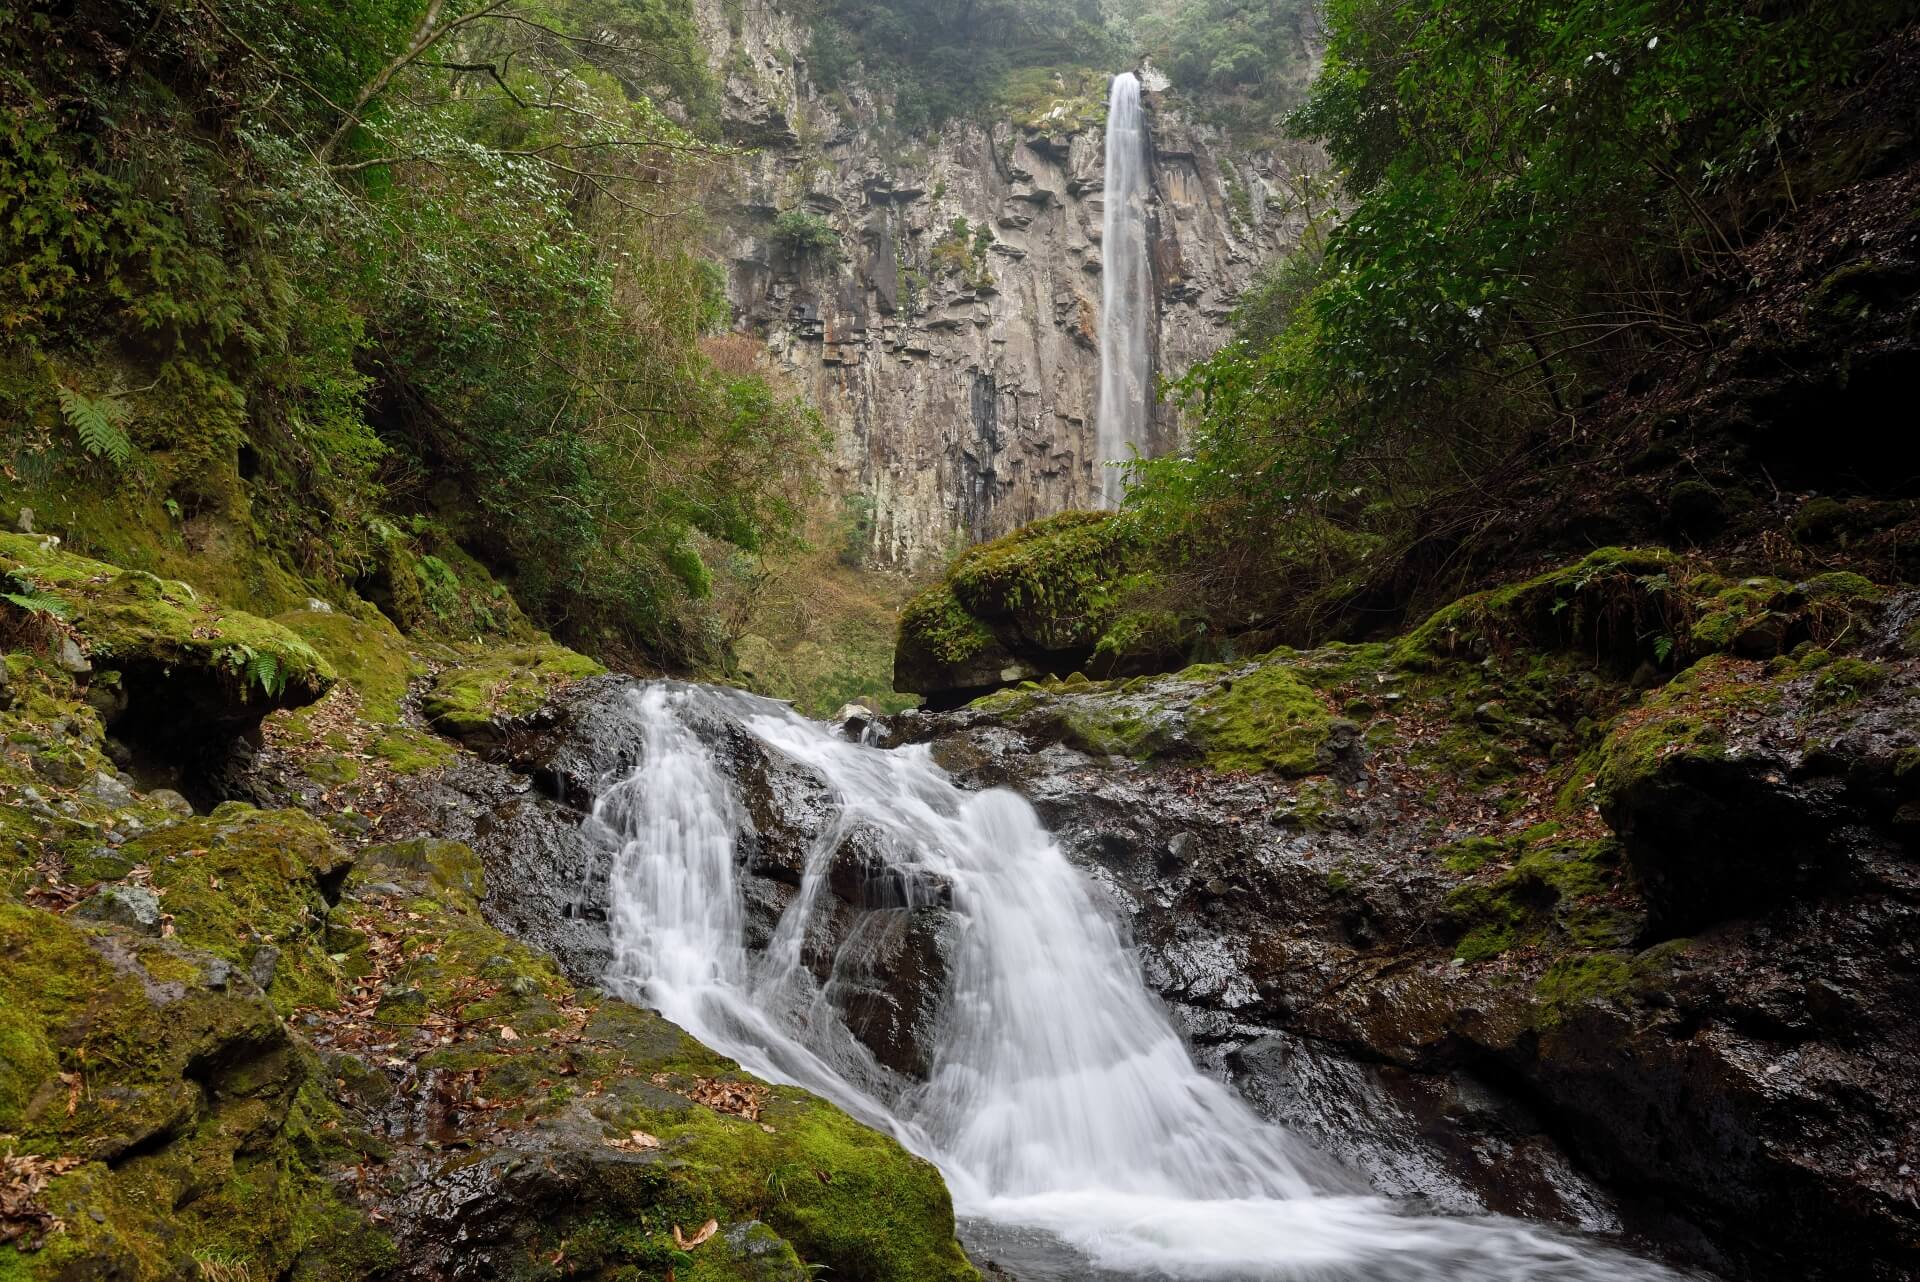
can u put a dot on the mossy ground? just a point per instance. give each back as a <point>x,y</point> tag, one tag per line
<point>129,619</point>
<point>213,1071</point>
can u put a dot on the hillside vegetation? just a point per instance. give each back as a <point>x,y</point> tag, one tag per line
<point>306,298</point>
<point>1605,273</point>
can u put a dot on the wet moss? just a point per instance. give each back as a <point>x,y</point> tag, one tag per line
<point>1846,680</point>
<point>1525,891</point>
<point>492,686</point>
<point>1269,719</point>
<point>1571,982</point>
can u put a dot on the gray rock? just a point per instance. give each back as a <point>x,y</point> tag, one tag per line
<point>68,655</point>
<point>136,907</point>
<point>172,802</point>
<point>25,524</point>
<point>110,790</point>
<point>261,966</point>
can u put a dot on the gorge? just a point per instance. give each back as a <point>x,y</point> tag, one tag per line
<point>1033,640</point>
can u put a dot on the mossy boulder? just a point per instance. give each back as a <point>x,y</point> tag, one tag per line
<point>1040,600</point>
<point>1612,604</point>
<point>185,666</point>
<point>170,1098</point>
<point>1715,822</point>
<point>478,698</point>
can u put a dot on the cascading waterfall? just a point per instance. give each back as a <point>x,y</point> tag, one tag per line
<point>1120,423</point>
<point>1060,1100</point>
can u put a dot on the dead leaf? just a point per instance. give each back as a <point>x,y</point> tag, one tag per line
<point>507,1034</point>
<point>707,1230</point>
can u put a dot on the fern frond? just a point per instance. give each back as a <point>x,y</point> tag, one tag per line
<point>264,670</point>
<point>38,603</point>
<point>100,423</point>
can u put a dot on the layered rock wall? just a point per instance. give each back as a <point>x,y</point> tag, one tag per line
<point>959,371</point>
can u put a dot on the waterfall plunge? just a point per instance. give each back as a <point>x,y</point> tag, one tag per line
<point>1120,424</point>
<point>1060,1101</point>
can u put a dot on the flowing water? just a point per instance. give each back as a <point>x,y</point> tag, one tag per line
<point>1060,1105</point>
<point>1120,423</point>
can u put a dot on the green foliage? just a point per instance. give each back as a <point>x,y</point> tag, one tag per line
<point>1538,191</point>
<point>945,60</point>
<point>345,278</point>
<point>101,424</point>
<point>804,233</point>
<point>1247,57</point>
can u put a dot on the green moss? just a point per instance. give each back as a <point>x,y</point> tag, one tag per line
<point>369,654</point>
<point>1269,719</point>
<point>409,751</point>
<point>935,624</point>
<point>1847,680</point>
<point>1116,728</point>
<point>494,685</point>
<point>1562,888</point>
<point>1571,982</point>
<point>241,880</point>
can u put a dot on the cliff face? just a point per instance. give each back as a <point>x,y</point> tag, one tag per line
<point>952,341</point>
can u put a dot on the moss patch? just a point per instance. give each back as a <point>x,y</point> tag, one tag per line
<point>495,685</point>
<point>1269,719</point>
<point>1524,890</point>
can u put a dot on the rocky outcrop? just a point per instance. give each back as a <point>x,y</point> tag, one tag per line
<point>951,338</point>
<point>1509,916</point>
<point>164,663</point>
<point>263,1042</point>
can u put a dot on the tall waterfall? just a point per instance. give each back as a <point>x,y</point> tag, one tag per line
<point>1126,300</point>
<point>1060,1104</point>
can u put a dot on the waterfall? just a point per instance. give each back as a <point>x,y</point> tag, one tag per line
<point>1059,1102</point>
<point>1126,300</point>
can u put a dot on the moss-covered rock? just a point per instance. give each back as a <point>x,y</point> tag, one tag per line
<point>488,688</point>
<point>170,1094</point>
<point>1039,600</point>
<point>182,661</point>
<point>1267,719</point>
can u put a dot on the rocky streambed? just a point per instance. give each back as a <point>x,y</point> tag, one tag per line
<point>1589,900</point>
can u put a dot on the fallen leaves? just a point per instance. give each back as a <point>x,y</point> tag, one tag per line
<point>635,1142</point>
<point>24,1220</point>
<point>707,1230</point>
<point>736,1099</point>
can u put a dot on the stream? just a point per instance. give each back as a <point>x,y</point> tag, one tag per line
<point>1078,1137</point>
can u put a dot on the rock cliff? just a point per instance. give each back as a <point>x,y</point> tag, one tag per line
<point>951,338</point>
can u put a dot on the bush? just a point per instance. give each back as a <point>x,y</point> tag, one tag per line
<point>804,234</point>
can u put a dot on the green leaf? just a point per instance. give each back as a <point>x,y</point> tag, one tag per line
<point>100,423</point>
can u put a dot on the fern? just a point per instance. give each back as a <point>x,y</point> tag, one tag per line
<point>37,603</point>
<point>265,671</point>
<point>101,424</point>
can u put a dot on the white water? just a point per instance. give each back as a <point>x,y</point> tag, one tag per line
<point>1120,423</point>
<point>1061,1099</point>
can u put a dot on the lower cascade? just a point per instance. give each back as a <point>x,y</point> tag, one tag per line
<point>1058,1101</point>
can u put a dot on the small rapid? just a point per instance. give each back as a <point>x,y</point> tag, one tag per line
<point>1059,1101</point>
